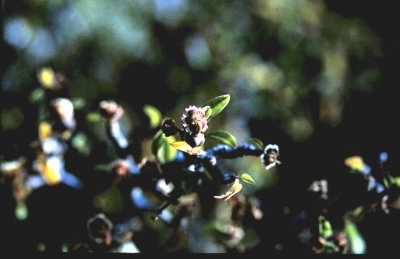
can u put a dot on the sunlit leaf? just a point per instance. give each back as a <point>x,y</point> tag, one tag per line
<point>257,143</point>
<point>207,111</point>
<point>235,188</point>
<point>46,77</point>
<point>157,142</point>
<point>223,137</point>
<point>396,181</point>
<point>185,147</point>
<point>80,142</point>
<point>357,243</point>
<point>45,130</point>
<point>166,153</point>
<point>355,163</point>
<point>93,117</point>
<point>217,104</point>
<point>325,228</point>
<point>247,179</point>
<point>154,115</point>
<point>160,147</point>
<point>48,172</point>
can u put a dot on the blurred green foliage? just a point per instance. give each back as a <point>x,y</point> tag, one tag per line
<point>272,56</point>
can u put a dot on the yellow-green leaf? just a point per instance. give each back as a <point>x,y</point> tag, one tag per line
<point>355,163</point>
<point>247,179</point>
<point>257,143</point>
<point>207,111</point>
<point>161,147</point>
<point>78,103</point>
<point>181,145</point>
<point>157,142</point>
<point>223,137</point>
<point>154,115</point>
<point>235,188</point>
<point>21,211</point>
<point>166,153</point>
<point>93,117</point>
<point>325,228</point>
<point>217,104</point>
<point>46,77</point>
<point>357,242</point>
<point>396,181</point>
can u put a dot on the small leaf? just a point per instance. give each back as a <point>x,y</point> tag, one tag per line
<point>235,188</point>
<point>357,242</point>
<point>166,153</point>
<point>223,137</point>
<point>45,130</point>
<point>185,147</point>
<point>217,104</point>
<point>78,103</point>
<point>161,147</point>
<point>157,142</point>
<point>396,181</point>
<point>181,145</point>
<point>154,115</point>
<point>21,211</point>
<point>325,228</point>
<point>49,170</point>
<point>257,143</point>
<point>355,163</point>
<point>93,117</point>
<point>46,77</point>
<point>37,95</point>
<point>81,143</point>
<point>207,111</point>
<point>247,179</point>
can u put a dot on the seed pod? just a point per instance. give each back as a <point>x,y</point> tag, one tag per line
<point>168,126</point>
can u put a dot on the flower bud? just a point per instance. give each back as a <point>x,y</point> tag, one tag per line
<point>194,120</point>
<point>270,156</point>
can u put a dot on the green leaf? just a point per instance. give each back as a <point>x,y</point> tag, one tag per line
<point>78,103</point>
<point>325,228</point>
<point>208,111</point>
<point>357,242</point>
<point>80,142</point>
<point>166,153</point>
<point>21,211</point>
<point>93,117</point>
<point>257,143</point>
<point>217,104</point>
<point>388,180</point>
<point>223,137</point>
<point>247,179</point>
<point>37,95</point>
<point>154,115</point>
<point>161,147</point>
<point>157,142</point>
<point>396,181</point>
